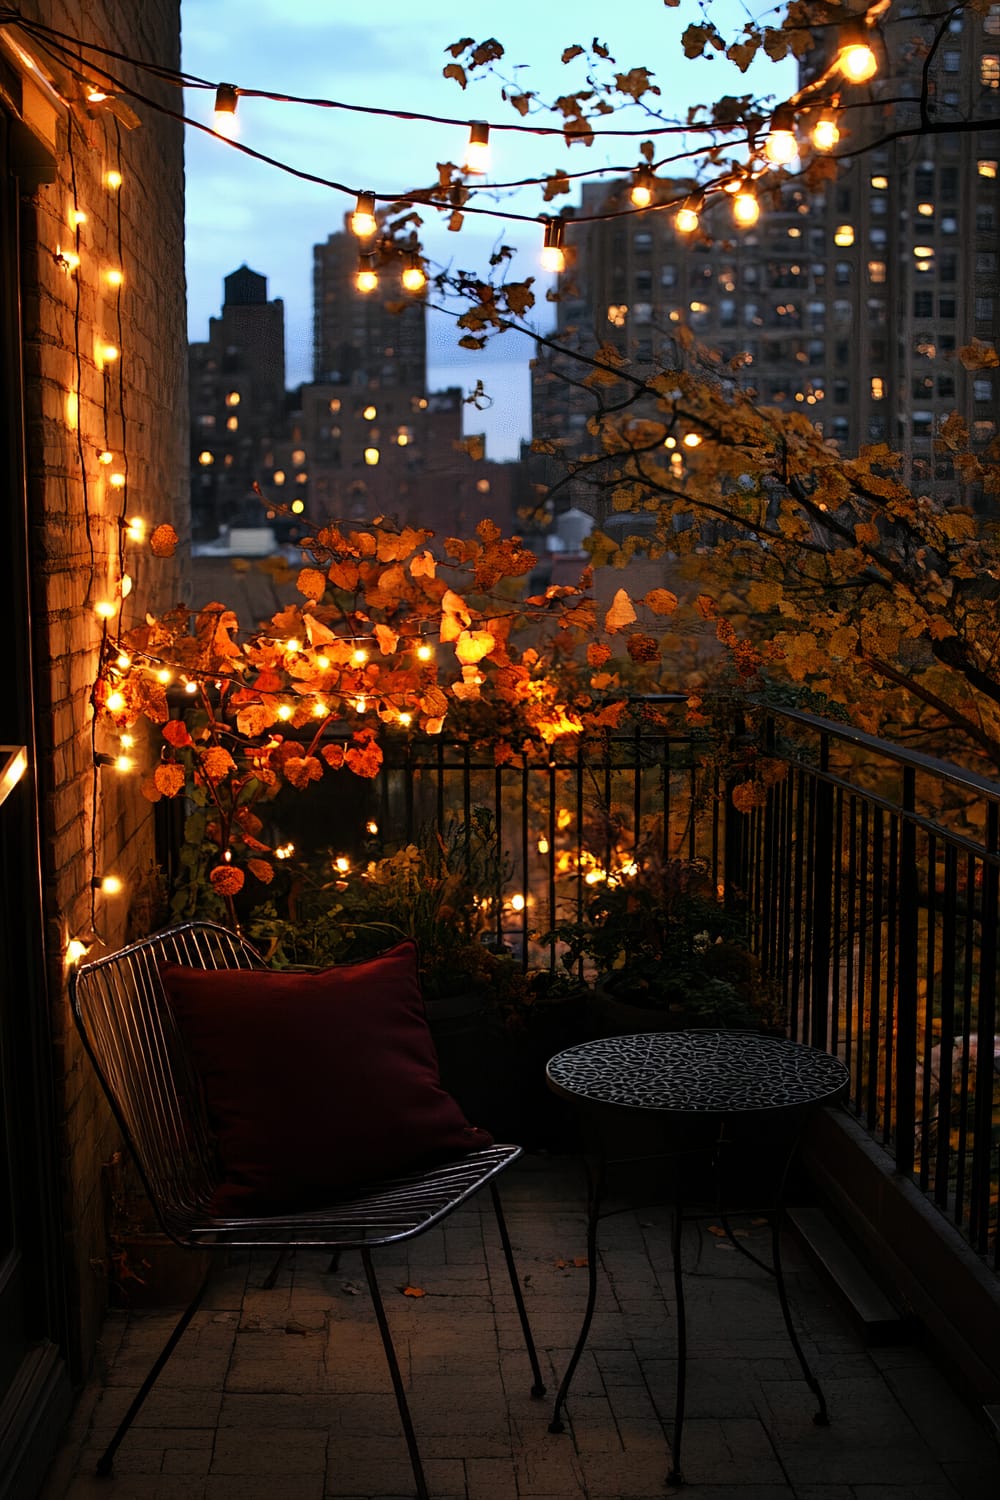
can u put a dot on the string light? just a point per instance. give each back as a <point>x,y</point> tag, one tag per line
<point>363,222</point>
<point>114,276</point>
<point>359,656</point>
<point>414,277</point>
<point>116,479</point>
<point>96,95</point>
<point>123,764</point>
<point>687,217</point>
<point>106,457</point>
<point>224,116</point>
<point>642,187</point>
<point>366,278</point>
<point>825,133</point>
<point>425,652</point>
<point>109,353</point>
<point>113,180</point>
<point>75,950</point>
<point>781,147</point>
<point>105,609</point>
<point>553,251</point>
<point>855,58</point>
<point>746,209</point>
<point>477,150</point>
<point>115,702</point>
<point>108,885</point>
<point>77,217</point>
<point>135,529</point>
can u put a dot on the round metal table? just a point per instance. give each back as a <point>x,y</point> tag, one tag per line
<point>706,1088</point>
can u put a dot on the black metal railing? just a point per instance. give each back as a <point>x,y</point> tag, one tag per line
<point>871,878</point>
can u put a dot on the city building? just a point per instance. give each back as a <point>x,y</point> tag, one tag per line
<point>366,339</point>
<point>237,393</point>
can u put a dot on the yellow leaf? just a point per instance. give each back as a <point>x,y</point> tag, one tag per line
<point>387,639</point>
<point>473,645</point>
<point>454,604</point>
<point>979,355</point>
<point>621,612</point>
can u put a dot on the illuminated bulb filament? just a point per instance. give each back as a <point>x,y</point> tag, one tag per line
<point>366,278</point>
<point>109,353</point>
<point>746,209</point>
<point>114,276</point>
<point>425,653</point>
<point>285,711</point>
<point>825,134</point>
<point>117,480</point>
<point>110,885</point>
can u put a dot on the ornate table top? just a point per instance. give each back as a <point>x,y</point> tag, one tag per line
<point>698,1072</point>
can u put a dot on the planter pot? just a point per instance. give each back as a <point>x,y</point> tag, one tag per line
<point>616,1016</point>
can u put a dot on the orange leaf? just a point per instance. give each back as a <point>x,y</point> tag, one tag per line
<point>175,732</point>
<point>413,1291</point>
<point>661,601</point>
<point>150,790</point>
<point>216,763</point>
<point>261,869</point>
<point>169,779</point>
<point>597,654</point>
<point>387,639</point>
<point>423,565</point>
<point>163,542</point>
<point>301,769</point>
<point>226,879</point>
<point>621,612</point>
<point>473,645</point>
<point>311,582</point>
<point>253,720</point>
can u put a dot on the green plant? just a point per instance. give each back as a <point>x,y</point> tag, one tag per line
<point>658,936</point>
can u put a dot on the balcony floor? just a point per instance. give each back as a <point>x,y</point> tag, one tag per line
<point>284,1395</point>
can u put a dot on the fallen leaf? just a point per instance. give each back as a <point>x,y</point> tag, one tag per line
<point>717,1229</point>
<point>352,1288</point>
<point>580,1260</point>
<point>413,1291</point>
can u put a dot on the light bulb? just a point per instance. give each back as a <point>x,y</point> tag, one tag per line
<point>136,529</point>
<point>553,252</point>
<point>190,687</point>
<point>115,702</point>
<point>75,950</point>
<point>366,279</point>
<point>781,147</point>
<point>127,741</point>
<point>109,885</point>
<point>425,652</point>
<point>692,440</point>
<point>123,661</point>
<point>319,709</point>
<point>342,863</point>
<point>97,95</point>
<point>105,609</point>
<point>125,587</point>
<point>164,676</point>
<point>359,656</point>
<point>224,118</point>
<point>113,180</point>
<point>855,59</point>
<point>114,277</point>
<point>322,662</point>
<point>477,151</point>
<point>686,219</point>
<point>77,217</point>
<point>105,457</point>
<point>371,828</point>
<point>746,209</point>
<point>371,457</point>
<point>285,711</point>
<point>109,353</point>
<point>825,133</point>
<point>642,188</point>
<point>117,480</point>
<point>124,764</point>
<point>406,720</point>
<point>414,277</point>
<point>363,218</point>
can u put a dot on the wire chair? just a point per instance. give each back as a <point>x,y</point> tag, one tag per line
<point>130,1035</point>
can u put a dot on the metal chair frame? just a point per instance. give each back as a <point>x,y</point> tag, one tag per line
<point>129,1032</point>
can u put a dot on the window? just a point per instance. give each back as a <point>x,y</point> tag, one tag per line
<point>841,392</point>
<point>877,388</point>
<point>844,235</point>
<point>843,200</point>
<point>923,422</point>
<point>879,203</point>
<point>816,349</point>
<point>643,312</point>
<point>644,282</point>
<point>947,268</point>
<point>986,262</point>
<point>946,385</point>
<point>982,431</point>
<point>749,275</point>
<point>876,272</point>
<point>617,314</point>
<point>644,349</point>
<point>986,167</point>
<point>841,311</point>
<point>877,236</point>
<point>841,429</point>
<point>923,388</point>
<point>991,21</point>
<point>949,182</point>
<point>984,309</point>
<point>668,275</point>
<point>875,308</point>
<point>989,70</point>
<point>923,180</point>
<point>727,312</point>
<point>876,428</point>
<point>946,307</point>
<point>984,217</point>
<point>949,224</point>
<point>816,312</point>
<point>952,61</point>
<point>923,304</point>
<point>842,352</point>
<point>642,240</point>
<point>207,420</point>
<point>819,275</point>
<point>982,389</point>
<point>751,314</point>
<point>842,273</point>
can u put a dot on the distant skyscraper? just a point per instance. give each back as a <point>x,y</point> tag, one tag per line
<point>237,393</point>
<point>372,340</point>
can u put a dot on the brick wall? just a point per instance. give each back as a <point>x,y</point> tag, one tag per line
<point>68,315</point>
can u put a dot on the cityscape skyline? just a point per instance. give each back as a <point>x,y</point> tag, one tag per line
<point>241,211</point>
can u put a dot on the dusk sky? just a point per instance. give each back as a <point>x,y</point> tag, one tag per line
<point>239,210</point>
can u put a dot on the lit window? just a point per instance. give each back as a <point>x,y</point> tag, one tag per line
<point>233,398</point>
<point>987,168</point>
<point>205,458</point>
<point>668,275</point>
<point>982,390</point>
<point>982,431</point>
<point>989,70</point>
<point>643,312</point>
<point>279,476</point>
<point>370,413</point>
<point>302,477</point>
<point>297,507</point>
<point>404,436</point>
<point>878,388</point>
<point>617,313</point>
<point>483,486</point>
<point>880,184</point>
<point>335,405</point>
<point>876,271</point>
<point>298,456</point>
<point>991,21</point>
<point>844,234</point>
<point>794,233</point>
<point>926,210</point>
<point>952,62</point>
<point>371,456</point>
<point>232,423</point>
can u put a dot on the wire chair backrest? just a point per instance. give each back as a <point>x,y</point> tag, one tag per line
<point>129,1032</point>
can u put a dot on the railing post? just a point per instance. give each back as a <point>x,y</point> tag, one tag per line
<point>820,916</point>
<point>982,1147</point>
<point>908,927</point>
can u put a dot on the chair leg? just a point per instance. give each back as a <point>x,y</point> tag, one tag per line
<point>538,1388</point>
<point>397,1379</point>
<point>107,1458</point>
<point>268,1283</point>
<point>596,1176</point>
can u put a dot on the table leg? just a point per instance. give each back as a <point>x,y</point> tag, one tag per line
<point>821,1418</point>
<point>676,1226</point>
<point>596,1174</point>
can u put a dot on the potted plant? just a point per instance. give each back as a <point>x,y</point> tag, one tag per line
<point>664,952</point>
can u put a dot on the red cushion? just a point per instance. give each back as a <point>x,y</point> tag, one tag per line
<point>315,1083</point>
